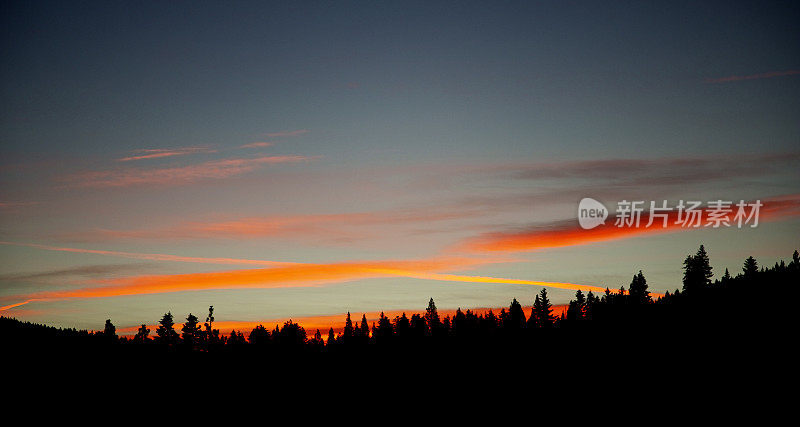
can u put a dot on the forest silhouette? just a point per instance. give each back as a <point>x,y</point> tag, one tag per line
<point>719,313</point>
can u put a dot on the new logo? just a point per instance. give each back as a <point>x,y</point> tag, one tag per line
<point>591,213</point>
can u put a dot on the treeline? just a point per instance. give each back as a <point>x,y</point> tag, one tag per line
<point>613,315</point>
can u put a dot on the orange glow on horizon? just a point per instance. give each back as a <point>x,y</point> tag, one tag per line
<point>325,322</point>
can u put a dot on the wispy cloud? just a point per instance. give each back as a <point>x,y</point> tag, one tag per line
<point>341,225</point>
<point>259,144</point>
<point>301,275</point>
<point>281,276</point>
<point>768,75</point>
<point>154,257</point>
<point>14,205</point>
<point>288,133</point>
<point>568,233</point>
<point>651,174</point>
<point>216,169</point>
<point>17,304</point>
<point>155,153</point>
<point>86,271</point>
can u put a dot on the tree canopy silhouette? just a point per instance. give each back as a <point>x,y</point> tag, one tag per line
<point>702,302</point>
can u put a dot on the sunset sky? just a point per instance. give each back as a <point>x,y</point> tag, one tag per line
<point>305,159</point>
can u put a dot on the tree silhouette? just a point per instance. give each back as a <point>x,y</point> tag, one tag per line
<point>638,290</point>
<point>591,301</point>
<point>348,330</point>
<point>542,312</point>
<point>259,336</point>
<point>292,334</point>
<point>419,326</point>
<point>110,331</point>
<point>190,331</point>
<point>514,319</point>
<point>750,267</point>
<point>331,337</point>
<point>211,335</point>
<point>384,330</point>
<point>696,271</point>
<point>317,342</point>
<point>364,330</point>
<point>166,330</point>
<point>236,339</point>
<point>626,320</point>
<point>432,317</point>
<point>402,325</point>
<point>142,335</point>
<point>577,309</point>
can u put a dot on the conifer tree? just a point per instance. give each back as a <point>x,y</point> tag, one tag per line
<point>750,267</point>
<point>166,330</point>
<point>142,335</point>
<point>638,290</point>
<point>348,330</point>
<point>331,337</point>
<point>697,271</point>
<point>542,311</point>
<point>110,331</point>
<point>432,320</point>
<point>190,331</point>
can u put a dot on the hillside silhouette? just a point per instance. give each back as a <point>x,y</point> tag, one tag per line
<point>701,314</point>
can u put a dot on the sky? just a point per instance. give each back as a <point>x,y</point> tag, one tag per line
<point>305,159</point>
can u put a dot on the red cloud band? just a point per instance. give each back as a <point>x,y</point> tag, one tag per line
<point>568,233</point>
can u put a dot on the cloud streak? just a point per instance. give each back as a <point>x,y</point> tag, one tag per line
<point>155,153</point>
<point>156,257</point>
<point>768,75</point>
<point>568,233</point>
<point>292,275</point>
<point>216,169</point>
<point>338,225</point>
<point>260,144</point>
<point>86,270</point>
<point>285,134</point>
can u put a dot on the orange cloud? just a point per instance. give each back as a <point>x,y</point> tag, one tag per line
<point>155,153</point>
<point>216,169</point>
<point>10,306</point>
<point>568,233</point>
<point>299,275</point>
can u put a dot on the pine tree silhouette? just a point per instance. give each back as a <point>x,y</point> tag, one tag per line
<point>697,271</point>
<point>542,312</point>
<point>348,331</point>
<point>142,335</point>
<point>166,331</point>
<point>190,331</point>
<point>432,320</point>
<point>638,290</point>
<point>110,331</point>
<point>750,267</point>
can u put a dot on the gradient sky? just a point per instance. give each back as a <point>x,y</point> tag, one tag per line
<point>305,159</point>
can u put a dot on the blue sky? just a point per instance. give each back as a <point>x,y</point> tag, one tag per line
<point>316,132</point>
